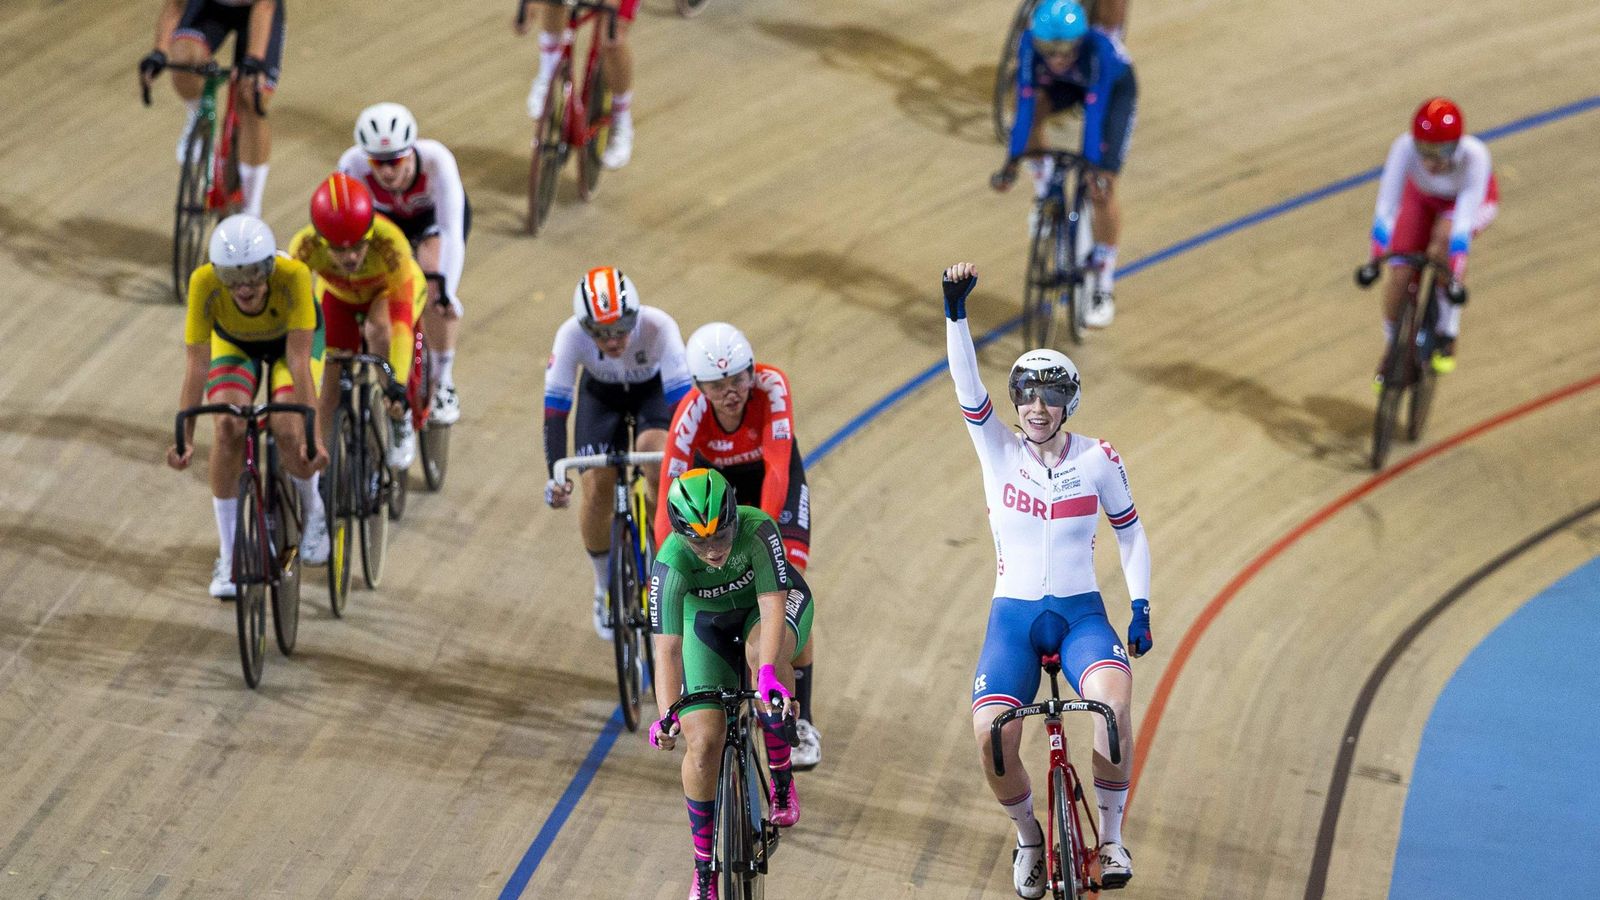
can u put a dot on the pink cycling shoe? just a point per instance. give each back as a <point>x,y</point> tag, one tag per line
<point>785,803</point>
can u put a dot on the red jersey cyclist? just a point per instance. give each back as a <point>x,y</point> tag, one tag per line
<point>617,357</point>
<point>1436,194</point>
<point>739,420</point>
<point>616,58</point>
<point>189,32</point>
<point>251,318</point>
<point>361,258</point>
<point>416,183</point>
<point>1045,489</point>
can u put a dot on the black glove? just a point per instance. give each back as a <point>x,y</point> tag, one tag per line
<point>955,297</point>
<point>1006,177</point>
<point>152,64</point>
<point>396,392</point>
<point>253,65</point>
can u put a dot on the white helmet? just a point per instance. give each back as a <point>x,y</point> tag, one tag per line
<point>606,303</point>
<point>242,249</point>
<point>716,351</point>
<point>1047,373</point>
<point>386,131</point>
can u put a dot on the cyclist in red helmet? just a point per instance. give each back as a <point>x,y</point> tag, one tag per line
<point>1436,194</point>
<point>360,256</point>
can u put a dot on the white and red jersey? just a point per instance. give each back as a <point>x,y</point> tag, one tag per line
<point>1043,512</point>
<point>1468,183</point>
<point>654,348</point>
<point>435,192</point>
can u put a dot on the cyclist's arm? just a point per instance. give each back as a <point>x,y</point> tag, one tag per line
<point>771,567</point>
<point>677,456</point>
<point>989,436</point>
<point>1474,192</point>
<point>302,321</point>
<point>666,626</point>
<point>450,205</point>
<point>560,384</point>
<point>1111,483</point>
<point>1391,184</point>
<point>167,22</point>
<point>675,380</point>
<point>773,607</point>
<point>777,444</point>
<point>262,12</point>
<point>1022,128</point>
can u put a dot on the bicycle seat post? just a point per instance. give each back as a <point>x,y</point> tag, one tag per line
<point>1052,667</point>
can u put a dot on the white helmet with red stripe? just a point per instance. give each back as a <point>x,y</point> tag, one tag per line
<point>606,303</point>
<point>716,351</point>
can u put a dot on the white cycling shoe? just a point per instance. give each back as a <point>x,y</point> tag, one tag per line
<point>188,129</point>
<point>619,148</point>
<point>446,406</point>
<point>222,586</point>
<point>537,95</point>
<point>314,542</point>
<point>1027,870</point>
<point>807,753</point>
<point>1102,309</point>
<point>403,444</point>
<point>1116,865</point>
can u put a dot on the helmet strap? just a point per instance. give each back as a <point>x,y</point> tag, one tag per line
<point>1053,433</point>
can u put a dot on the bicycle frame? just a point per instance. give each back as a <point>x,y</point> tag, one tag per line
<point>1407,364</point>
<point>738,734</point>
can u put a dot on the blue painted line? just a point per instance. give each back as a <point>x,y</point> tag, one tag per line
<point>608,735</point>
<point>1503,801</point>
<point>564,807</point>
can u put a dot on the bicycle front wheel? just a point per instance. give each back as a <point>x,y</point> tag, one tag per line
<point>1421,394</point>
<point>191,219</point>
<point>1396,379</point>
<point>1070,879</point>
<point>1044,278</point>
<point>250,556</point>
<point>625,640</point>
<point>284,521</point>
<point>733,841</point>
<point>341,508</point>
<point>597,106</point>
<point>376,483</point>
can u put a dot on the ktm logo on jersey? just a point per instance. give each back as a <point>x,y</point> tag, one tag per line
<point>720,446</point>
<point>683,439</point>
<point>1028,505</point>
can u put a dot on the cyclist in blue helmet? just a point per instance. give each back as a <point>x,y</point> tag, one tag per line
<point>1065,64</point>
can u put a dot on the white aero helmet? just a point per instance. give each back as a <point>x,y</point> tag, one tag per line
<point>716,351</point>
<point>386,131</point>
<point>1049,374</point>
<point>606,303</point>
<point>242,249</point>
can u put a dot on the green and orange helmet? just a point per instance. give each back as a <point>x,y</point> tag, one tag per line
<point>701,505</point>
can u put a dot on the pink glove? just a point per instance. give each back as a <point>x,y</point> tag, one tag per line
<point>767,684</point>
<point>1458,265</point>
<point>663,740</point>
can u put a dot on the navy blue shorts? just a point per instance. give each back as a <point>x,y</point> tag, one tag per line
<point>1022,631</point>
<point>210,23</point>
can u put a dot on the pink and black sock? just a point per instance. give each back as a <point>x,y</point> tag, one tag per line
<point>772,728</point>
<point>701,813</point>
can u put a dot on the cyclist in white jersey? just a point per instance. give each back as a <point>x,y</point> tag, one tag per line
<point>617,358</point>
<point>1045,488</point>
<point>417,184</point>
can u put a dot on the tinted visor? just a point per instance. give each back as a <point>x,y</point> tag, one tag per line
<point>622,327</point>
<point>1056,48</point>
<point>722,539</point>
<point>1439,152</point>
<point>233,276</point>
<point>1054,392</point>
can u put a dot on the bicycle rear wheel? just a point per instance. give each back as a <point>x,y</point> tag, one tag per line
<point>341,507</point>
<point>191,219</point>
<point>283,521</point>
<point>733,844</point>
<point>597,105</point>
<point>250,580</point>
<point>624,591</point>
<point>1396,369</point>
<point>1005,75</point>
<point>1070,879</point>
<point>434,445</point>
<point>1043,279</point>
<point>549,150</point>
<point>375,486</point>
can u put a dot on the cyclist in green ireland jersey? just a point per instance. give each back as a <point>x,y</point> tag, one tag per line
<point>723,596</point>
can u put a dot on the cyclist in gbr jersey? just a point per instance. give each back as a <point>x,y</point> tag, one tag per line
<point>1436,194</point>
<point>415,182</point>
<point>1045,489</point>
<point>618,358</point>
<point>361,258</point>
<point>717,589</point>
<point>739,420</point>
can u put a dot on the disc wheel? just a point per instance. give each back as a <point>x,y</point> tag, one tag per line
<point>284,520</point>
<point>1042,286</point>
<point>341,507</point>
<point>191,221</point>
<point>250,581</point>
<point>549,151</point>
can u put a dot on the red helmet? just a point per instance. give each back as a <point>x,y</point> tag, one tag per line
<point>1438,121</point>
<point>341,210</point>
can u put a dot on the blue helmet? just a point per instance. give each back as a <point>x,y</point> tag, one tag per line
<point>1059,20</point>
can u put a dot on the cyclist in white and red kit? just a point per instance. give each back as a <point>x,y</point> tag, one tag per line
<point>1436,194</point>
<point>416,183</point>
<point>1045,489</point>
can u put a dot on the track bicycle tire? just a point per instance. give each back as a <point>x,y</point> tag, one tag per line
<point>1085,281</point>
<point>1069,883</point>
<point>549,150</point>
<point>250,580</point>
<point>733,835</point>
<point>341,505</point>
<point>284,518</point>
<point>623,590</point>
<point>433,446</point>
<point>1004,110</point>
<point>763,834</point>
<point>1420,397</point>
<point>647,544</point>
<point>1395,370</point>
<point>1043,279</point>
<point>191,219</point>
<point>596,105</point>
<point>376,482</point>
<point>690,8</point>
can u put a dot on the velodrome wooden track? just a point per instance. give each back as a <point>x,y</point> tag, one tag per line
<point>804,170</point>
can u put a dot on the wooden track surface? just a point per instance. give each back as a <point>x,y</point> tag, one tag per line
<point>805,172</point>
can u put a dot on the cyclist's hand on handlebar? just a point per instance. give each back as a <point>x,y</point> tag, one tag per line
<point>320,460</point>
<point>664,738</point>
<point>1140,640</point>
<point>152,65</point>
<point>180,462</point>
<point>557,493</point>
<point>959,280</point>
<point>772,691</point>
<point>1005,178</point>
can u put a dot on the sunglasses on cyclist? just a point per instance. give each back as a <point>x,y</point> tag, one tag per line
<point>720,539</point>
<point>1054,393</point>
<point>605,331</point>
<point>387,163</point>
<point>1438,152</point>
<point>731,384</point>
<point>237,276</point>
<point>1056,48</point>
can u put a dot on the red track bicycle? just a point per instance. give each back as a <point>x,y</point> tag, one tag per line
<point>1069,856</point>
<point>577,112</point>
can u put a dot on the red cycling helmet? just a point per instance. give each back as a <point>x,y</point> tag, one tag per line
<point>341,210</point>
<point>1438,121</point>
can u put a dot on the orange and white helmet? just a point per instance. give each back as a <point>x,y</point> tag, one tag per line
<point>606,303</point>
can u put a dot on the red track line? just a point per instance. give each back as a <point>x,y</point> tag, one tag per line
<point>1197,630</point>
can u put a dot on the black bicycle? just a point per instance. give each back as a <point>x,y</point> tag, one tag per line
<point>633,548</point>
<point>266,536</point>
<point>359,483</point>
<point>745,837</point>
<point>1059,270</point>
<point>1407,368</point>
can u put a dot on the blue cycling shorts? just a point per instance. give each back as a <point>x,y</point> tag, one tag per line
<point>1022,631</point>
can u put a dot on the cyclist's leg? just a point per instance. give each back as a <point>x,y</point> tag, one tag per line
<point>440,320</point>
<point>1007,677</point>
<point>1096,665</point>
<point>343,333</point>
<point>194,42</point>
<point>255,133</point>
<point>1046,104</point>
<point>796,627</point>
<point>652,416</point>
<point>599,428</point>
<point>617,61</point>
<point>1121,110</point>
<point>552,35</point>
<point>710,660</point>
<point>1412,227</point>
<point>232,379</point>
<point>1111,17</point>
